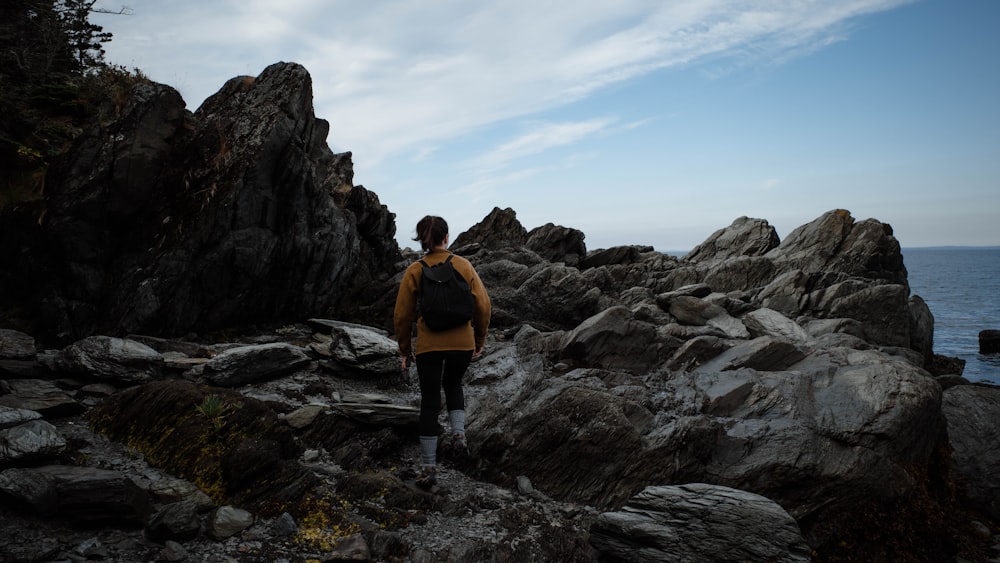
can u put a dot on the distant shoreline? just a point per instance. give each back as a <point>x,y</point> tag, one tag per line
<point>904,249</point>
<point>680,253</point>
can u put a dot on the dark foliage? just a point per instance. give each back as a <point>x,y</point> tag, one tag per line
<point>53,80</point>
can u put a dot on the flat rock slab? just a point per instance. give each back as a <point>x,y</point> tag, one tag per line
<point>108,358</point>
<point>41,396</point>
<point>251,364</point>
<point>378,414</point>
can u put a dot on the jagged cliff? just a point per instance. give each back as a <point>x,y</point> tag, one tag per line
<point>164,221</point>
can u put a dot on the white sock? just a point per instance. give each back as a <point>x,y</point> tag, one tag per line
<point>457,419</point>
<point>428,451</point>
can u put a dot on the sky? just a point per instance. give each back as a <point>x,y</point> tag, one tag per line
<point>643,122</point>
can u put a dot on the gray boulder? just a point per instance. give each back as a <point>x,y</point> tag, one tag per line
<point>700,312</point>
<point>557,244</point>
<point>31,441</point>
<point>118,360</point>
<point>499,229</point>
<point>614,339</point>
<point>227,521</point>
<point>502,277</point>
<point>572,438</point>
<point>989,341</point>
<point>835,242</point>
<point>696,351</point>
<point>921,328</point>
<point>355,548</point>
<point>834,428</point>
<point>16,345</point>
<point>764,353</point>
<point>972,412</point>
<point>739,274</point>
<point>820,327</point>
<point>178,521</point>
<point>250,364</point>
<point>699,522</point>
<point>39,395</point>
<point>363,351</point>
<point>744,237</point>
<point>11,417</point>
<point>698,290</point>
<point>883,310</point>
<point>768,322</point>
<point>171,552</point>
<point>555,294</point>
<point>170,490</point>
<point>304,415</point>
<point>614,255</point>
<point>785,293</point>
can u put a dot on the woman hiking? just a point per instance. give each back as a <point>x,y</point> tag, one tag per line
<point>442,355</point>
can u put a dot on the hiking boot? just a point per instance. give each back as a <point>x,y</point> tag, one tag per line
<point>427,478</point>
<point>458,442</point>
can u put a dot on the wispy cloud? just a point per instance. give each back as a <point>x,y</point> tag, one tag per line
<point>769,184</point>
<point>483,187</point>
<point>396,76</point>
<point>539,139</point>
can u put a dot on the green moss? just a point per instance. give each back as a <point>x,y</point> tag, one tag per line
<point>173,433</point>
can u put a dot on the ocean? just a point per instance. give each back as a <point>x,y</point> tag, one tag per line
<point>962,288</point>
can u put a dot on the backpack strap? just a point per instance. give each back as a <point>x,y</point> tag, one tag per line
<point>446,260</point>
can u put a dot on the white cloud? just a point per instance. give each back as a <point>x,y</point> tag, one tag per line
<point>542,138</point>
<point>395,76</point>
<point>482,189</point>
<point>769,184</point>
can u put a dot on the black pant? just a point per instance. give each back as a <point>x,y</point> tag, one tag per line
<point>437,369</point>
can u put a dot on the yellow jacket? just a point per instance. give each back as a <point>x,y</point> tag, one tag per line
<point>466,337</point>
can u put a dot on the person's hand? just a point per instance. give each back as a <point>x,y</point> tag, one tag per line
<point>406,362</point>
<point>477,352</point>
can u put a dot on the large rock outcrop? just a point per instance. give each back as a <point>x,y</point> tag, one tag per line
<point>795,394</point>
<point>165,222</point>
<point>791,369</point>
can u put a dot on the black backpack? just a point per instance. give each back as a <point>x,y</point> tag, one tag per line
<point>445,300</point>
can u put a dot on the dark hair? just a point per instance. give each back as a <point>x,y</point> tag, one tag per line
<point>431,231</point>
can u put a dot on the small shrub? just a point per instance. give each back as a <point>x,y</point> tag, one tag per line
<point>216,410</point>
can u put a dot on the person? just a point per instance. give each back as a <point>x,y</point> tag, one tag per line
<point>443,356</point>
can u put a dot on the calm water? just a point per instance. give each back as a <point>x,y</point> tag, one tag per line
<point>962,288</point>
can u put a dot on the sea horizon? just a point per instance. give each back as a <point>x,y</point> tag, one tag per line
<point>951,247</point>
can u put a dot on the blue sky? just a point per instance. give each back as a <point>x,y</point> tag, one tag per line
<point>637,122</point>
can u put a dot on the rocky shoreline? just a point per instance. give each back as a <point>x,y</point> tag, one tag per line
<point>569,430</point>
<point>199,368</point>
<point>464,520</point>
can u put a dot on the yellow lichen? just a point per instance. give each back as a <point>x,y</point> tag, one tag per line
<point>323,522</point>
